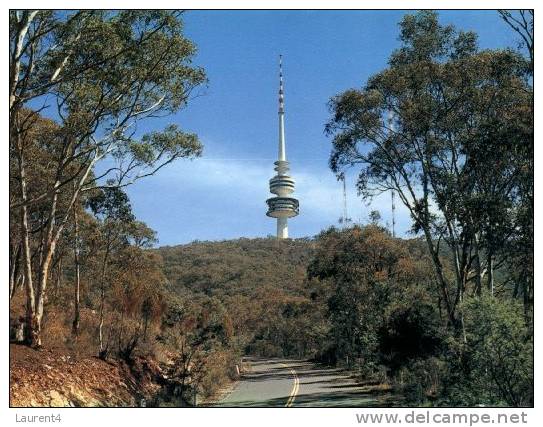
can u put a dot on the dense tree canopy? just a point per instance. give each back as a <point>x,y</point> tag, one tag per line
<point>458,150</point>
<point>96,74</point>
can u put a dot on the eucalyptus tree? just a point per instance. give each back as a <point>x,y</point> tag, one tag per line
<point>522,22</point>
<point>357,263</point>
<point>448,153</point>
<point>96,74</point>
<point>112,208</point>
<point>521,245</point>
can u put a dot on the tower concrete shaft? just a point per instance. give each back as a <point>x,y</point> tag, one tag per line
<point>282,228</point>
<point>283,206</point>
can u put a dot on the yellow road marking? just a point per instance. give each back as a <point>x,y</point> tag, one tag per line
<point>295,387</point>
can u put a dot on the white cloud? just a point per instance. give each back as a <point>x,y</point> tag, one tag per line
<point>243,183</point>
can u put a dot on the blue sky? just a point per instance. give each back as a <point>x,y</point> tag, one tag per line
<point>222,195</point>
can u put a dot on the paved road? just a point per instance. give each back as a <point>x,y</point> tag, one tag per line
<point>295,383</point>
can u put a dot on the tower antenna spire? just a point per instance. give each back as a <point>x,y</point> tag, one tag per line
<point>281,92</point>
<point>282,152</point>
<point>282,207</point>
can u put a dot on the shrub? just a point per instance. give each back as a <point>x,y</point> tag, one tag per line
<point>410,332</point>
<point>421,380</point>
<point>495,366</point>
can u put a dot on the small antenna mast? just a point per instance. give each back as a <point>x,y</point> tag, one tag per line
<point>392,192</point>
<point>344,220</point>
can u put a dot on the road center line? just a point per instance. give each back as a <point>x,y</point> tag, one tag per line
<point>295,387</point>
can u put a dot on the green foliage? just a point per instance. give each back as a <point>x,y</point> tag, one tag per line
<point>458,149</point>
<point>385,320</point>
<point>99,73</point>
<point>410,332</point>
<point>422,380</point>
<point>496,362</point>
<point>371,310</point>
<point>171,144</point>
<point>104,71</point>
<point>261,284</point>
<point>111,204</point>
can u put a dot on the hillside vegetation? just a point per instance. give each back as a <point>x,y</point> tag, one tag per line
<point>360,299</point>
<point>444,317</point>
<point>356,298</point>
<point>259,285</point>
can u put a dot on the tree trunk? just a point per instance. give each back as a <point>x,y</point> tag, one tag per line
<point>102,351</point>
<point>438,268</point>
<point>14,260</point>
<point>49,250</point>
<point>51,238</point>
<point>145,326</point>
<point>462,324</point>
<point>19,283</point>
<point>75,323</point>
<point>21,29</point>
<point>27,257</point>
<point>490,268</point>
<point>478,270</point>
<point>527,300</point>
<point>58,282</point>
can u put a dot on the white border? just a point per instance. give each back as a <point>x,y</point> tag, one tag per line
<point>94,417</point>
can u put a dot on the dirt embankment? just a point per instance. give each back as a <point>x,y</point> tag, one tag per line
<point>55,378</point>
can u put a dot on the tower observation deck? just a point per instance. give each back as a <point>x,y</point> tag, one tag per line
<point>283,206</point>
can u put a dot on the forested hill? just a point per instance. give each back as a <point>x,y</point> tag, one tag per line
<point>253,292</point>
<point>237,267</point>
<point>354,297</point>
